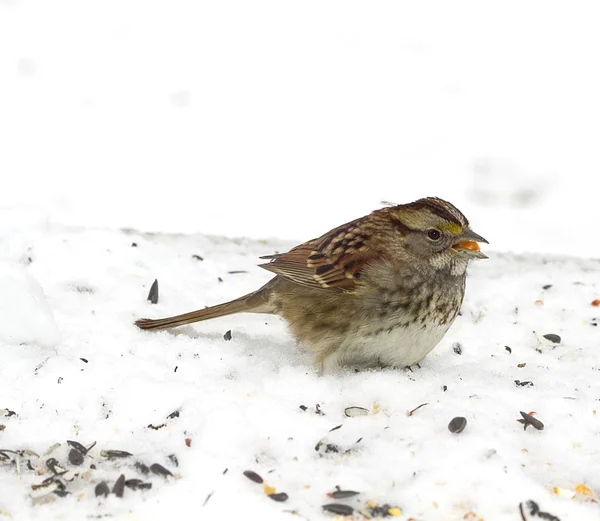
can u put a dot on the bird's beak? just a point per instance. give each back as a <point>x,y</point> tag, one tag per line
<point>468,246</point>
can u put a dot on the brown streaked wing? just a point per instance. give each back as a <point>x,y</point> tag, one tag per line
<point>332,261</point>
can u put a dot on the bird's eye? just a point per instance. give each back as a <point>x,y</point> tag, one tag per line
<point>434,234</point>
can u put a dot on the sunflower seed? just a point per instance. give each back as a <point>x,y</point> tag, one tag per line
<point>119,487</point>
<point>457,424</point>
<point>157,468</point>
<point>343,494</point>
<point>552,338</point>
<point>153,293</point>
<point>102,489</point>
<point>253,476</point>
<point>279,496</point>
<point>338,508</point>
<point>137,484</point>
<point>75,457</point>
<point>227,335</point>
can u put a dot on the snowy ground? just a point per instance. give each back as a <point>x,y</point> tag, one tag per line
<point>75,368</point>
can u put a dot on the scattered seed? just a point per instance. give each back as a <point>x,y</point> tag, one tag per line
<point>509,349</point>
<point>225,471</point>
<point>279,496</point>
<point>141,467</point>
<point>253,476</point>
<point>410,413</point>
<point>520,366</point>
<point>39,491</point>
<point>457,348</point>
<point>78,446</point>
<point>153,293</point>
<point>207,498</point>
<point>528,419</point>
<point>551,337</point>
<point>119,487</point>
<point>157,468</point>
<point>157,427</point>
<point>546,286</point>
<point>175,370</point>
<point>303,407</point>
<point>342,494</point>
<point>534,510</point>
<point>188,442</point>
<point>134,244</point>
<point>318,410</point>
<point>174,414</point>
<point>8,413</point>
<point>137,484</point>
<point>227,335</point>
<point>235,272</point>
<point>84,360</point>
<point>354,411</point>
<point>173,459</point>
<point>102,489</point>
<point>197,257</point>
<point>75,457</point>
<point>219,279</point>
<point>335,428</point>
<point>526,383</point>
<point>114,454</point>
<point>338,508</point>
<point>324,447</point>
<point>457,424</point>
<point>54,466</point>
<point>444,388</point>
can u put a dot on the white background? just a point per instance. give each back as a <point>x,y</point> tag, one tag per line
<point>286,119</point>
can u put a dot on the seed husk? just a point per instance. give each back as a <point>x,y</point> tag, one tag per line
<point>227,335</point>
<point>457,424</point>
<point>355,411</point>
<point>78,446</point>
<point>528,420</point>
<point>253,476</point>
<point>338,508</point>
<point>114,454</point>
<point>457,348</point>
<point>526,383</point>
<point>44,489</point>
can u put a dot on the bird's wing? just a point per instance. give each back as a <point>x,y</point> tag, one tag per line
<point>333,261</point>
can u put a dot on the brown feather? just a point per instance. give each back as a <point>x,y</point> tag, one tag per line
<point>333,261</point>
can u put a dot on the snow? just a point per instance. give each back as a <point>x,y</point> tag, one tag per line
<point>180,127</point>
<point>239,401</point>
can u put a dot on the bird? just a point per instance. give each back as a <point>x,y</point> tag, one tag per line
<point>379,291</point>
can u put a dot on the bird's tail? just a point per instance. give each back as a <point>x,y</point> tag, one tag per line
<point>256,302</point>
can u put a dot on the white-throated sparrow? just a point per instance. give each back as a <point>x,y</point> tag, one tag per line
<point>381,290</point>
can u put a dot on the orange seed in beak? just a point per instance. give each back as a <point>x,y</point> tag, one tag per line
<point>469,245</point>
